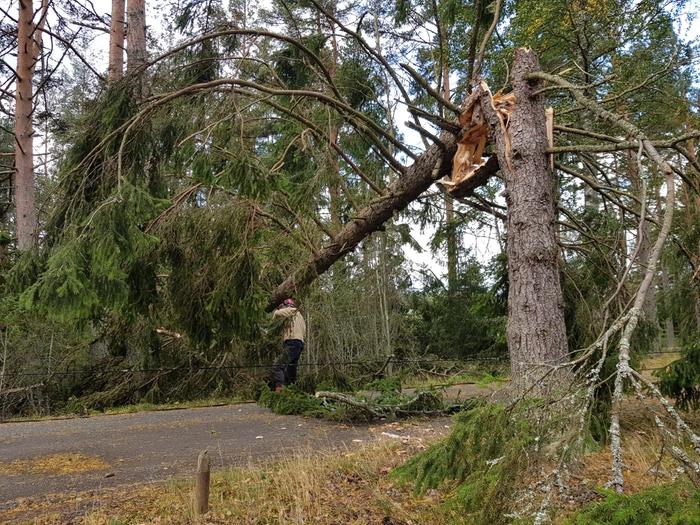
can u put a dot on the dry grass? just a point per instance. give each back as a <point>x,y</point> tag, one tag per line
<point>650,365</point>
<point>320,488</point>
<point>54,464</point>
<point>351,487</point>
<point>645,463</point>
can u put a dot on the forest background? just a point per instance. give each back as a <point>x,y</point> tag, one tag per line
<point>146,274</point>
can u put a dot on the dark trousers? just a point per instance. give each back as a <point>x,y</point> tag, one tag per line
<point>284,371</point>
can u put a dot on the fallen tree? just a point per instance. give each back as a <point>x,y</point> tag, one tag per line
<point>430,166</point>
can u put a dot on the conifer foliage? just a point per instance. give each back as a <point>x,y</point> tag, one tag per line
<point>299,148</point>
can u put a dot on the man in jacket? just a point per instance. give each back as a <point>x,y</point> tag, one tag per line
<point>284,371</point>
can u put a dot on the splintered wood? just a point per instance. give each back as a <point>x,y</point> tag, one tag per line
<point>472,143</point>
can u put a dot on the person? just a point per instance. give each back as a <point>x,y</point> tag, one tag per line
<point>284,372</point>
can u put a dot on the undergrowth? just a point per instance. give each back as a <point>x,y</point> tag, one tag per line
<point>484,460</point>
<point>672,504</point>
<point>681,379</point>
<point>387,402</point>
<point>292,401</point>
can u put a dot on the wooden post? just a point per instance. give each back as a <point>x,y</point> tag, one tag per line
<point>201,488</point>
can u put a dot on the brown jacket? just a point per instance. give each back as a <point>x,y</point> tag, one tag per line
<point>294,327</point>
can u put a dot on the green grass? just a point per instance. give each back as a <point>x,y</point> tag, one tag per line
<point>482,379</point>
<point>194,403</point>
<point>138,407</point>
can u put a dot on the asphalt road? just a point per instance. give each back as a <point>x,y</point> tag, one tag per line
<point>153,446</point>
<point>150,446</point>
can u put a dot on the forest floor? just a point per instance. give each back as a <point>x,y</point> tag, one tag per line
<point>68,466</point>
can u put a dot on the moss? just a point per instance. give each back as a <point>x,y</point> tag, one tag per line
<point>673,504</point>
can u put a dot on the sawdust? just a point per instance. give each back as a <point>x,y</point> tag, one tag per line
<point>53,464</point>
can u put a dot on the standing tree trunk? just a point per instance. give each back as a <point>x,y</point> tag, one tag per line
<point>692,214</point>
<point>28,49</point>
<point>116,41</point>
<point>333,162</point>
<point>135,34</point>
<point>451,243</point>
<point>451,233</point>
<point>669,326</point>
<point>443,75</point>
<point>536,331</point>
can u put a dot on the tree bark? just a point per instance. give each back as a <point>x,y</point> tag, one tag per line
<point>670,328</point>
<point>649,310</point>
<point>116,41</point>
<point>434,163</point>
<point>25,206</point>
<point>451,233</point>
<point>135,34</point>
<point>692,214</point>
<point>536,332</point>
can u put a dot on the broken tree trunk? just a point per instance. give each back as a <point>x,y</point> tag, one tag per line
<point>536,332</point>
<point>433,164</point>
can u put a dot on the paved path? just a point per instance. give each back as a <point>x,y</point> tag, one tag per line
<point>148,446</point>
<point>152,446</point>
